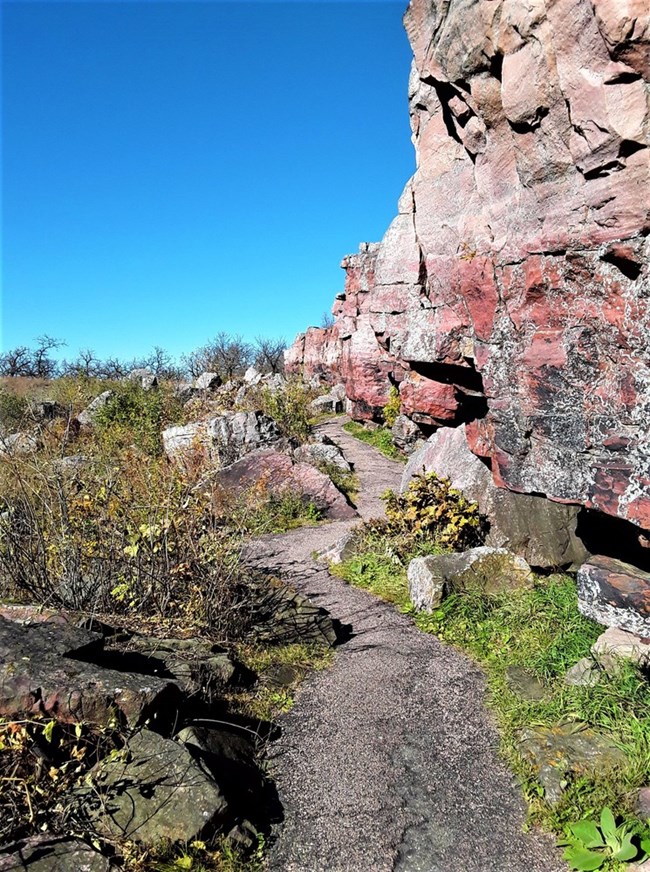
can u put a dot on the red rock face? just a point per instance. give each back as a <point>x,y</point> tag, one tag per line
<point>519,254</point>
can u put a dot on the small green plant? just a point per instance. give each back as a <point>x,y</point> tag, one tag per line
<point>392,407</point>
<point>381,438</point>
<point>590,846</point>
<point>431,508</point>
<point>345,480</point>
<point>289,406</point>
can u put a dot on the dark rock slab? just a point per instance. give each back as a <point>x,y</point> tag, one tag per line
<point>615,594</point>
<point>153,790</point>
<point>42,671</point>
<point>287,616</point>
<point>48,854</point>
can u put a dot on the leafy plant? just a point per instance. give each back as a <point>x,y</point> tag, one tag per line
<point>431,508</point>
<point>589,845</point>
<point>288,405</point>
<point>392,407</point>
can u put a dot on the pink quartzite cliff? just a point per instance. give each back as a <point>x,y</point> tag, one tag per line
<point>511,291</point>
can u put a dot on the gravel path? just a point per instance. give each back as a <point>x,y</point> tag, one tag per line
<point>388,760</point>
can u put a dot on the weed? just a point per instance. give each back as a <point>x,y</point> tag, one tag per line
<point>345,480</point>
<point>381,438</point>
<point>289,406</point>
<point>589,845</point>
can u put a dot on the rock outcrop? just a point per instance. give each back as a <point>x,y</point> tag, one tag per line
<point>511,291</point>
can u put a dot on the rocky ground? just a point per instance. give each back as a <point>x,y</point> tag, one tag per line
<point>388,760</point>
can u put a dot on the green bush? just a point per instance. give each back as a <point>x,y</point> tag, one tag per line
<point>431,509</point>
<point>13,411</point>
<point>289,406</point>
<point>135,416</point>
<point>392,407</point>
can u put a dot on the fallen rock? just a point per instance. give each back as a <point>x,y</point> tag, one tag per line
<point>42,670</point>
<point>224,439</point>
<point>285,616</point>
<point>341,550</point>
<point>87,417</point>
<point>614,646</point>
<point>564,751</point>
<point>316,453</point>
<point>642,803</point>
<point>489,570</point>
<point>18,443</point>
<point>207,381</point>
<point>406,434</point>
<point>153,791</point>
<point>615,594</point>
<point>47,853</point>
<point>144,378</point>
<point>537,529</point>
<point>426,583</point>
<point>526,684</point>
<point>327,404</point>
<point>252,376</point>
<point>584,673</point>
<point>196,665</point>
<point>278,474</point>
<point>47,410</point>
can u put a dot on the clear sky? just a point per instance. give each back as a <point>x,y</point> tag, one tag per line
<point>172,169</point>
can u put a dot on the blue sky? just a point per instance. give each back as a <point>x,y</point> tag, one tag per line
<point>172,169</point>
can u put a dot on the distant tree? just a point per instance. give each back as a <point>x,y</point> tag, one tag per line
<point>229,356</point>
<point>160,363</point>
<point>269,354</point>
<point>35,362</point>
<point>85,364</point>
<point>327,320</point>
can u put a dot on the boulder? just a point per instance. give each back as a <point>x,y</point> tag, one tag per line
<point>252,376</point>
<point>340,551</point>
<point>568,749</point>
<point>279,474</point>
<point>87,417</point>
<point>488,570</point>
<point>144,378</point>
<point>327,404</point>
<point>42,671</point>
<point>18,444</point>
<point>537,529</point>
<point>47,410</point>
<point>153,791</point>
<point>223,439</point>
<point>406,434</point>
<point>318,452</point>
<point>615,646</point>
<point>584,673</point>
<point>426,583</point>
<point>47,853</point>
<point>285,616</point>
<point>207,381</point>
<point>615,594</point>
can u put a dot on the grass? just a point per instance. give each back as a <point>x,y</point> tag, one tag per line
<point>268,699</point>
<point>541,630</point>
<point>381,438</point>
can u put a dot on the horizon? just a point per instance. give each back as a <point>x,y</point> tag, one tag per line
<point>172,170</point>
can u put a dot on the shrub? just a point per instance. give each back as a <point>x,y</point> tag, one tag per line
<point>289,406</point>
<point>430,508</point>
<point>125,533</point>
<point>392,407</point>
<point>133,415</point>
<point>13,411</point>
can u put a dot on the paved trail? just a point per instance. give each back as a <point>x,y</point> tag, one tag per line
<point>388,760</point>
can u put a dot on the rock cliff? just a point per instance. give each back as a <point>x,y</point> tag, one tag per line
<point>511,292</point>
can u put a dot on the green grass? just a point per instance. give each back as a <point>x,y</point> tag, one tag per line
<point>382,439</point>
<point>541,630</point>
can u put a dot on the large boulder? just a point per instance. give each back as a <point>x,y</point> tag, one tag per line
<point>615,594</point>
<point>153,791</point>
<point>207,381</point>
<point>87,417</point>
<point>539,530</point>
<point>223,439</point>
<point>488,570</point>
<point>43,671</point>
<point>279,474</point>
<point>18,444</point>
<point>144,378</point>
<point>46,853</point>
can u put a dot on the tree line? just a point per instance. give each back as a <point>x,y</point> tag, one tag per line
<point>226,354</point>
